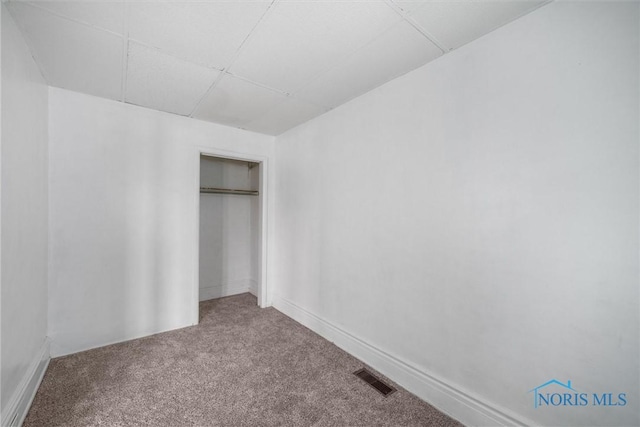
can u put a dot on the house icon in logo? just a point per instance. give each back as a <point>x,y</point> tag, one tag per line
<point>548,383</point>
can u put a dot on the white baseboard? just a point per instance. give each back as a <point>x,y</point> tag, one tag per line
<point>463,406</point>
<point>20,402</point>
<point>225,289</point>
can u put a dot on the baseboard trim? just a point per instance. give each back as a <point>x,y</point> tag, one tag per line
<point>225,289</point>
<point>20,402</point>
<point>463,406</point>
<point>71,347</point>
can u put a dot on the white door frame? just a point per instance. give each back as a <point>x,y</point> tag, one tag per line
<point>263,197</point>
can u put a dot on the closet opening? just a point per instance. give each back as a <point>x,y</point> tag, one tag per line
<point>231,226</point>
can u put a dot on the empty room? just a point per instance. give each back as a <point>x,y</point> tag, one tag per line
<point>320,213</point>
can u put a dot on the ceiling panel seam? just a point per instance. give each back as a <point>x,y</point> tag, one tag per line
<point>344,59</point>
<point>155,109</point>
<point>77,21</point>
<point>278,91</point>
<point>30,45</point>
<point>415,25</point>
<point>172,55</point>
<point>395,8</point>
<point>262,85</point>
<point>233,59</point>
<point>125,49</point>
<point>165,53</point>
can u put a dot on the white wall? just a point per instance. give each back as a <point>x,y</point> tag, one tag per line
<point>24,214</point>
<point>478,217</point>
<point>228,230</point>
<point>124,191</point>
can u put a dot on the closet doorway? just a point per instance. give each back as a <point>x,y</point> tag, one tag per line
<point>231,227</point>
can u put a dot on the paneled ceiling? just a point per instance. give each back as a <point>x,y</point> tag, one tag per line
<point>262,65</point>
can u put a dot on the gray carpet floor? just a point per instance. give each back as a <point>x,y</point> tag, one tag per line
<point>241,366</point>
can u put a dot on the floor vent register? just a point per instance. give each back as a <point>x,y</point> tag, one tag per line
<point>374,382</point>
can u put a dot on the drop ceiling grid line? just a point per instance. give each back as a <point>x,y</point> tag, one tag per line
<point>125,49</point>
<point>337,64</point>
<point>172,55</point>
<point>233,58</point>
<point>127,5</point>
<point>342,60</point>
<point>30,45</point>
<point>68,18</point>
<point>414,24</point>
<point>345,58</point>
<point>165,53</point>
<point>262,85</point>
<point>155,109</point>
<point>278,91</point>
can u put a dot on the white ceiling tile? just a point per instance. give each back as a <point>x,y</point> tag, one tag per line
<point>288,114</point>
<point>454,23</point>
<point>157,80</point>
<point>73,56</point>
<point>403,49</point>
<point>206,33</point>
<point>298,40</point>
<point>235,102</point>
<point>324,51</point>
<point>105,15</point>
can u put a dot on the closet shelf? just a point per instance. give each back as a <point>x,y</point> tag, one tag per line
<point>213,190</point>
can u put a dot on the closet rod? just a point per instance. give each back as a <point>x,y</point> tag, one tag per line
<point>212,190</point>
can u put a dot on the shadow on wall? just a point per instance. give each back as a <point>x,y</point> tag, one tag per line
<point>153,257</point>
